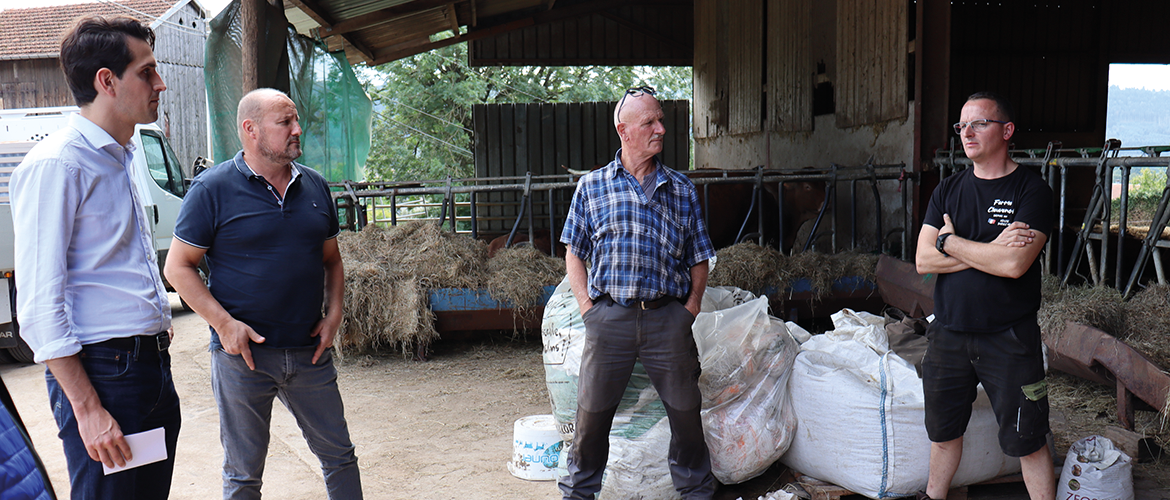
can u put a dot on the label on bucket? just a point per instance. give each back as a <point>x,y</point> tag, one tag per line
<point>536,448</point>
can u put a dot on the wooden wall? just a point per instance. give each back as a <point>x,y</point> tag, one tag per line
<point>512,139</point>
<point>179,47</point>
<point>33,83</point>
<point>871,61</point>
<point>753,69</point>
<point>1047,58</point>
<point>657,35</point>
<point>789,64</point>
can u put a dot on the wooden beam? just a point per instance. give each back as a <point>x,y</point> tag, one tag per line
<point>474,14</point>
<point>381,16</point>
<point>454,20</point>
<point>311,9</point>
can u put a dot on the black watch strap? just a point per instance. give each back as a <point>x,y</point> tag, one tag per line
<point>938,244</point>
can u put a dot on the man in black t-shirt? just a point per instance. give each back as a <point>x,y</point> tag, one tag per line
<point>982,235</point>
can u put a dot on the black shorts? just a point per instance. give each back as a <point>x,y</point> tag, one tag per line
<point>1009,364</point>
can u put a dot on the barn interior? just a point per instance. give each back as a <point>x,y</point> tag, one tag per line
<point>778,84</point>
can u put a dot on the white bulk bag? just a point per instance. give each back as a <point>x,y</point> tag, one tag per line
<point>859,411</point>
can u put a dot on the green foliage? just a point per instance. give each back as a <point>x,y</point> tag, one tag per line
<point>422,126</point>
<point>1145,191</point>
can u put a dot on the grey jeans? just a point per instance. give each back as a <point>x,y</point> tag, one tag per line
<point>615,338</point>
<point>308,391</point>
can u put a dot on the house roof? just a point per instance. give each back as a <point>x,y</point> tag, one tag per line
<point>35,33</point>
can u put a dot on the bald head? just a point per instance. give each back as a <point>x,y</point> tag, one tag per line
<point>269,126</point>
<point>254,104</point>
<point>622,111</point>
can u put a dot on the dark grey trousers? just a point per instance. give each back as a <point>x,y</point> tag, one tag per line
<point>615,338</point>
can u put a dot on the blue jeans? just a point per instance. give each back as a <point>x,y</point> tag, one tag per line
<point>308,391</point>
<point>135,386</point>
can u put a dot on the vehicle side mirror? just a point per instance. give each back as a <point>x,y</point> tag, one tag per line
<point>197,167</point>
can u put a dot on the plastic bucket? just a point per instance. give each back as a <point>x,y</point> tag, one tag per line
<point>536,448</point>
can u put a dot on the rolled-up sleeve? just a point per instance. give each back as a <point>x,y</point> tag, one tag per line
<point>45,195</point>
<point>576,233</point>
<point>699,247</point>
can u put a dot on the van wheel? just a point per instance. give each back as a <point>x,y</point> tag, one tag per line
<point>22,353</point>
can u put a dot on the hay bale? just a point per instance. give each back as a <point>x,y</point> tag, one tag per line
<point>391,271</point>
<point>751,267</point>
<point>517,276</point>
<point>822,270</point>
<point>747,266</point>
<point>1148,324</point>
<point>1100,307</point>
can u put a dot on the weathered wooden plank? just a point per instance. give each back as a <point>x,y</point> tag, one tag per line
<point>576,141</point>
<point>561,121</point>
<point>520,122</point>
<point>745,71</point>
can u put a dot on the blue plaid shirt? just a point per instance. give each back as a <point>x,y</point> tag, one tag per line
<point>641,249</point>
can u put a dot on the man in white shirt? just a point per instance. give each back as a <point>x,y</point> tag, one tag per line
<point>90,301</point>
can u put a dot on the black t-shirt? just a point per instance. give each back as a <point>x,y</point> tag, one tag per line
<point>972,300</point>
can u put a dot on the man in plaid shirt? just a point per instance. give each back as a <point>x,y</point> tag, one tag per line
<point>640,225</point>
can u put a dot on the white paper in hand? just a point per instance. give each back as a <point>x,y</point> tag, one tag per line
<point>147,447</point>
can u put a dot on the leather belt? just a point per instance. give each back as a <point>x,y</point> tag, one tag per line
<point>646,304</point>
<point>157,342</point>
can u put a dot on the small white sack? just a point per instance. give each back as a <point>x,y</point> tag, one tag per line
<point>1095,469</point>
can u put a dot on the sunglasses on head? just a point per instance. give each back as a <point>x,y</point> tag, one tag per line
<point>635,92</point>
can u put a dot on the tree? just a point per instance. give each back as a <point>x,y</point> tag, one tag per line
<point>422,126</point>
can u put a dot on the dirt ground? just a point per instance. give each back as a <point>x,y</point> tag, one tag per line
<point>440,429</point>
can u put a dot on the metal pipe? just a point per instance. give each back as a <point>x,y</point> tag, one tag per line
<point>1122,222</point>
<point>474,218</point>
<point>853,215</point>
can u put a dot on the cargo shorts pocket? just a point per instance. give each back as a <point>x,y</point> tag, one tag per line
<point>1032,414</point>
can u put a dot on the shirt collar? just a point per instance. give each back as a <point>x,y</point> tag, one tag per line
<point>616,166</point>
<point>95,135</point>
<point>243,168</point>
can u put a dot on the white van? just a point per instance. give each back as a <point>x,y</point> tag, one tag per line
<point>156,171</point>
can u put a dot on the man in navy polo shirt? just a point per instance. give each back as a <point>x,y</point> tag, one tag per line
<point>267,227</point>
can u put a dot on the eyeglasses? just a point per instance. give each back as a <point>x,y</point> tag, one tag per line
<point>976,125</point>
<point>636,92</point>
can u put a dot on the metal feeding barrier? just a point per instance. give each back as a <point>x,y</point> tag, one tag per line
<point>353,198</point>
<point>1055,164</point>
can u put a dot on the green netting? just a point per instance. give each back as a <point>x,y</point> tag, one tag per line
<point>334,109</point>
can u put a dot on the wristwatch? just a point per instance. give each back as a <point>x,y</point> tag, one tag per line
<point>938,244</point>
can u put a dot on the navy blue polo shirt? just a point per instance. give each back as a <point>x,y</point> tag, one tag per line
<point>265,254</point>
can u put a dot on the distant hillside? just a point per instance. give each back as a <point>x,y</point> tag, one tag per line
<point>1138,117</point>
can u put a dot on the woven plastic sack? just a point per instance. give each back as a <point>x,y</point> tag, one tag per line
<point>335,113</point>
<point>859,410</point>
<point>1095,469</point>
<point>640,436</point>
<point>740,430</point>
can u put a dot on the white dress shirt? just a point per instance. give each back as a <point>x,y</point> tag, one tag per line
<point>86,268</point>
